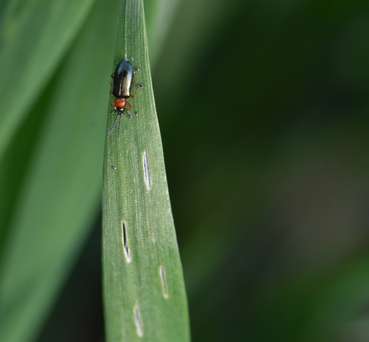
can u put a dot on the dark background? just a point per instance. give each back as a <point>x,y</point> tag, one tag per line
<point>264,124</point>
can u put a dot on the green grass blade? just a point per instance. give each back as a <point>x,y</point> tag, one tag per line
<point>143,283</point>
<point>60,194</point>
<point>34,35</point>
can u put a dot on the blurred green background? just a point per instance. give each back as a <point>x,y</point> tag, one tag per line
<point>264,113</point>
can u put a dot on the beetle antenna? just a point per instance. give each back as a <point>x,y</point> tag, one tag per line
<point>115,123</point>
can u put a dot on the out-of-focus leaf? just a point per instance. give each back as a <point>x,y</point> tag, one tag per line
<point>159,19</point>
<point>313,308</point>
<point>34,35</point>
<point>59,195</point>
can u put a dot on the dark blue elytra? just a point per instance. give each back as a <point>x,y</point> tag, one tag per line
<point>122,79</point>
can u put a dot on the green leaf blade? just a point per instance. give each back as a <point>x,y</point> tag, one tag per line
<point>143,283</point>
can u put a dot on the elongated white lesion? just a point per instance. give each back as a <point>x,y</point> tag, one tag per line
<point>146,171</point>
<point>125,241</point>
<point>137,318</point>
<point>163,282</point>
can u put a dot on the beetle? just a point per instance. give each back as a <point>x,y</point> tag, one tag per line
<point>122,84</point>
